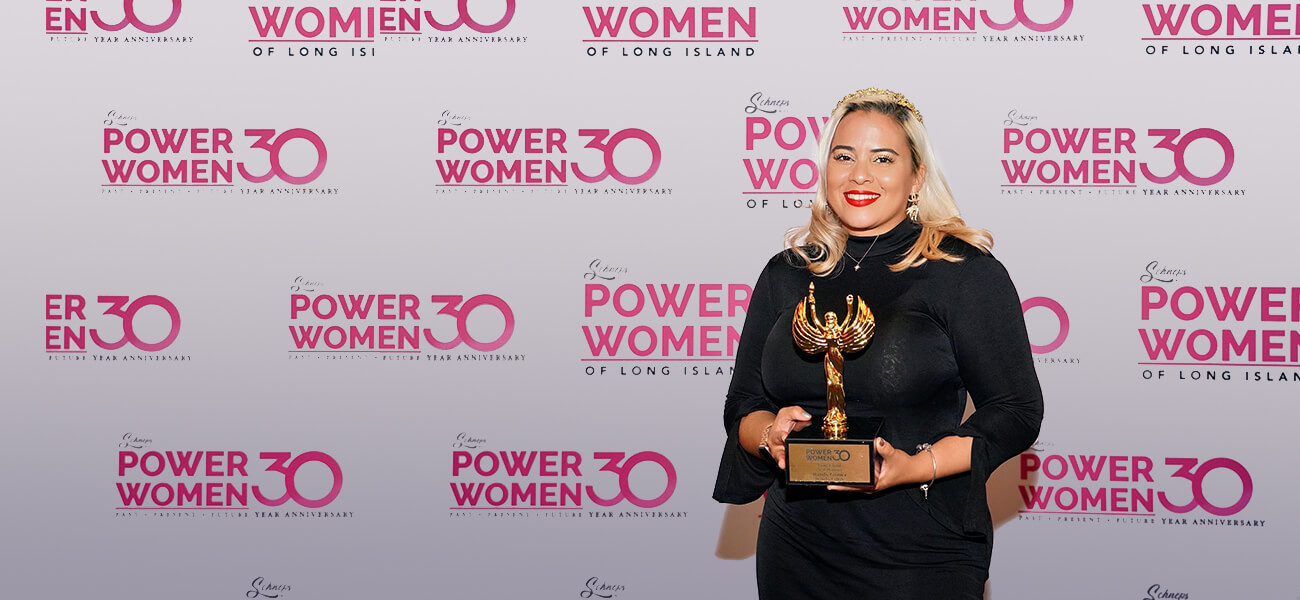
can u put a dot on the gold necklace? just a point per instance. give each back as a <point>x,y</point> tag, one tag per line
<point>857,262</point>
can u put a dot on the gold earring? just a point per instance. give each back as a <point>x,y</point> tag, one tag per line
<point>913,208</point>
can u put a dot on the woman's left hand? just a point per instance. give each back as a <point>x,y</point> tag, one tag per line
<point>893,467</point>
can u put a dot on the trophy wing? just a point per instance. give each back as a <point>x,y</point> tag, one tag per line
<point>861,325</point>
<point>808,337</point>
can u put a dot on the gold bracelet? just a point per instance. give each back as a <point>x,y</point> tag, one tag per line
<point>762,441</point>
<point>925,487</point>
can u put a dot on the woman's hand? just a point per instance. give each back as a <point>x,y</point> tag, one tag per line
<point>788,419</point>
<point>893,467</point>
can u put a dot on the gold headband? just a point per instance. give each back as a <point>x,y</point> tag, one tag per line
<point>891,95</point>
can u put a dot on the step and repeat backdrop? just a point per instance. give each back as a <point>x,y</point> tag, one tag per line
<point>439,298</point>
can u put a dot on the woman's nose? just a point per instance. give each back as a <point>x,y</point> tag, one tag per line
<point>861,174</point>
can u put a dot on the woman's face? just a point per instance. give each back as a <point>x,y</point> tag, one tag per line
<point>870,173</point>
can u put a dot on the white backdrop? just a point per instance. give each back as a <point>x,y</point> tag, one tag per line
<point>368,298</point>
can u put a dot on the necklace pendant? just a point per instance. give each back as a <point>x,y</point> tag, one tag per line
<point>855,267</point>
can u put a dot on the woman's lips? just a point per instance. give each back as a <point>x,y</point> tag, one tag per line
<point>860,198</point>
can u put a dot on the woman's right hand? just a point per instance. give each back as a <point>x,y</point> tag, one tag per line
<point>788,419</point>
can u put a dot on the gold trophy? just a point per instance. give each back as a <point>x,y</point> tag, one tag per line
<point>832,458</point>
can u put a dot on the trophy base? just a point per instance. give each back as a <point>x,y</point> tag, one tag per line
<point>814,460</point>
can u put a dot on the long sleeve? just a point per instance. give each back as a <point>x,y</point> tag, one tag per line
<point>994,361</point>
<point>743,477</point>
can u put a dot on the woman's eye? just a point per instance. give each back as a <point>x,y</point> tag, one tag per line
<point>884,159</point>
<point>841,157</point>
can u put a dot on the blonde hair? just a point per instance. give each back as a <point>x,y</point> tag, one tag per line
<point>821,242</point>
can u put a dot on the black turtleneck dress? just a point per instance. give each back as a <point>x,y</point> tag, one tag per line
<point>943,330</point>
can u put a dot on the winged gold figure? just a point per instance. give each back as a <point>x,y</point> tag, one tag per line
<point>833,337</point>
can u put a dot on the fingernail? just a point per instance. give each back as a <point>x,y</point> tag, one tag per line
<point>803,414</point>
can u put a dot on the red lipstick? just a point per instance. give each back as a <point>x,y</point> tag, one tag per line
<point>860,198</point>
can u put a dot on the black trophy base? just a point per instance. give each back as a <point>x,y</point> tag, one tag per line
<point>811,459</point>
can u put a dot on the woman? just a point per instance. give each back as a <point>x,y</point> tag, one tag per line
<point>948,321</point>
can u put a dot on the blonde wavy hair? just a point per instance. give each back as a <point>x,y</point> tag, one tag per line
<point>821,242</point>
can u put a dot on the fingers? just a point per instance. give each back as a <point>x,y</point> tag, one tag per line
<point>887,464</point>
<point>794,413</point>
<point>884,453</point>
<point>788,419</point>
